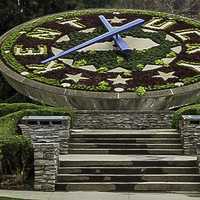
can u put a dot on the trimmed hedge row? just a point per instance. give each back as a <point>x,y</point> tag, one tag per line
<point>16,152</point>
<point>188,110</point>
<point>10,114</point>
<point>16,158</point>
<point>9,95</point>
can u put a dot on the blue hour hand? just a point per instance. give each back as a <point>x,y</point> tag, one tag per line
<point>123,46</point>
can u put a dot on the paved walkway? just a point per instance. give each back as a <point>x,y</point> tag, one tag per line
<point>98,195</point>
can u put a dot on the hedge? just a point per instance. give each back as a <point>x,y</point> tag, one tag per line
<point>188,110</point>
<point>16,155</point>
<point>10,114</point>
<point>16,152</point>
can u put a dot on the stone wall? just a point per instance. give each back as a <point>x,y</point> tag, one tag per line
<point>190,132</point>
<point>122,120</point>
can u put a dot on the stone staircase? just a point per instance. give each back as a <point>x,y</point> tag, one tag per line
<point>163,142</point>
<point>127,161</point>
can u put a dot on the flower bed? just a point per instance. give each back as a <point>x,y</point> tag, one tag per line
<point>165,52</point>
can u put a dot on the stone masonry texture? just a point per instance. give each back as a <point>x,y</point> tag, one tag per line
<point>46,166</point>
<point>122,120</point>
<point>190,134</point>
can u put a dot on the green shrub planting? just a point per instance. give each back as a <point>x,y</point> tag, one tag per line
<point>16,152</point>
<point>188,110</point>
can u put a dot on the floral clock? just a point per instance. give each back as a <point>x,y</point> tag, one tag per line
<point>164,54</point>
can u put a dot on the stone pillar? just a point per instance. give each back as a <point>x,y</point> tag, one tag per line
<point>47,129</point>
<point>49,135</point>
<point>198,155</point>
<point>45,166</point>
<point>187,133</point>
<point>190,133</point>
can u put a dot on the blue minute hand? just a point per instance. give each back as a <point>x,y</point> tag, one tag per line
<point>100,38</point>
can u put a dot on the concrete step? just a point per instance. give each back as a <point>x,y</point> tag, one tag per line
<point>126,135</point>
<point>128,187</point>
<point>123,146</point>
<point>64,145</point>
<point>128,178</point>
<point>127,161</point>
<point>122,130</point>
<point>140,151</point>
<point>63,152</point>
<point>86,160</point>
<point>127,140</point>
<point>128,170</point>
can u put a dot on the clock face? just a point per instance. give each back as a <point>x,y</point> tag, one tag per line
<point>164,52</point>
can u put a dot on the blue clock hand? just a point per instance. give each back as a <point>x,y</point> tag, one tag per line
<point>100,38</point>
<point>123,46</point>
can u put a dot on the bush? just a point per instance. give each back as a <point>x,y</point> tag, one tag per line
<point>80,63</point>
<point>17,157</point>
<point>10,114</point>
<point>140,67</point>
<point>120,59</point>
<point>140,91</point>
<point>6,108</point>
<point>188,110</point>
<point>16,152</point>
<point>103,86</point>
<point>102,69</point>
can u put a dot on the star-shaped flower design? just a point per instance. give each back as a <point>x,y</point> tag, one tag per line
<point>116,20</point>
<point>76,78</point>
<point>119,80</point>
<point>165,76</point>
<point>89,30</point>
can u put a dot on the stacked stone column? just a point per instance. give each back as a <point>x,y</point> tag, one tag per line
<point>49,135</point>
<point>190,133</point>
<point>45,166</point>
